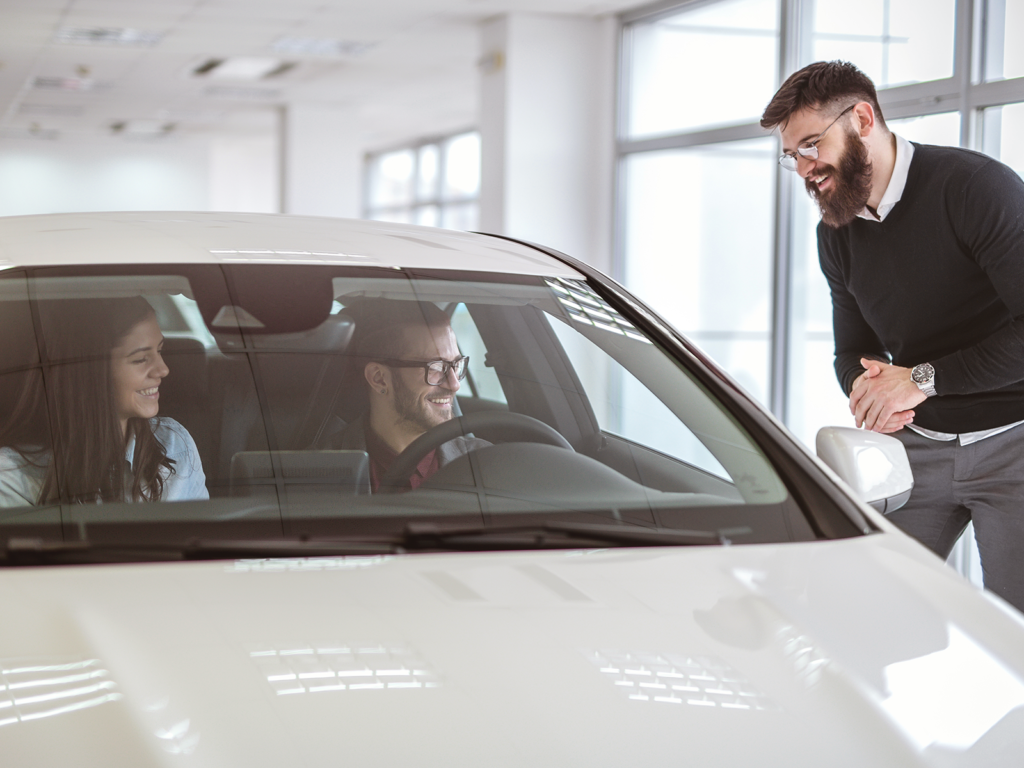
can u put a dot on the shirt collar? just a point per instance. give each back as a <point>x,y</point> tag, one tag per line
<point>897,182</point>
<point>129,451</point>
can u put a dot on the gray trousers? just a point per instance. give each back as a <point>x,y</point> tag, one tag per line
<point>982,482</point>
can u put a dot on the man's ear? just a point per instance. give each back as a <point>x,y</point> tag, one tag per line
<point>864,114</point>
<point>376,376</point>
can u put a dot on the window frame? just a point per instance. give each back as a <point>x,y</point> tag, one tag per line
<point>436,197</point>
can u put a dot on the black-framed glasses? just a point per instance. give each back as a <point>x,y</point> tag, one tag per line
<point>809,149</point>
<point>434,371</point>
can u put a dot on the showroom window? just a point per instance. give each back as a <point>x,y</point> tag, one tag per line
<point>693,191</point>
<point>894,42</point>
<point>714,233</point>
<point>733,41</point>
<point>433,182</point>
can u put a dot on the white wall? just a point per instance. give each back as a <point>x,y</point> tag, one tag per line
<point>101,173</point>
<point>547,117</point>
<point>322,161</point>
<point>244,174</point>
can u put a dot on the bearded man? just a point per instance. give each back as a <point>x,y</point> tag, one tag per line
<point>410,369</point>
<point>923,250</point>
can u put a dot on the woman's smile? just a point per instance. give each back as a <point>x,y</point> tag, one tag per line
<point>137,368</point>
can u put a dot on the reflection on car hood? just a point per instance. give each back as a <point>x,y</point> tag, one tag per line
<point>858,652</point>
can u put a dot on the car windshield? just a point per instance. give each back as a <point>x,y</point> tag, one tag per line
<point>312,402</point>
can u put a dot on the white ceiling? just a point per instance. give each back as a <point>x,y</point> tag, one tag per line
<point>418,77</point>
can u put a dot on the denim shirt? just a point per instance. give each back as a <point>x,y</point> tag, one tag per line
<point>21,480</point>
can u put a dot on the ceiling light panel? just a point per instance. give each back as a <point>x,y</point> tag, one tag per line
<point>114,36</point>
<point>242,68</point>
<point>142,128</point>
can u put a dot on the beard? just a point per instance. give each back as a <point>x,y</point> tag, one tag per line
<point>851,184</point>
<point>413,410</point>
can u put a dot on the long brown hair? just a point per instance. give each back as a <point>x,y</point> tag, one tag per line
<point>66,417</point>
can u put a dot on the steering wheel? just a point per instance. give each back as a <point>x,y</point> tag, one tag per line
<point>505,426</point>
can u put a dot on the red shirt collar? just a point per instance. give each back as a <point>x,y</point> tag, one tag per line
<point>382,456</point>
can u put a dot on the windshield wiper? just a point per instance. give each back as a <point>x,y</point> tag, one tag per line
<point>558,535</point>
<point>415,537</point>
<point>21,551</point>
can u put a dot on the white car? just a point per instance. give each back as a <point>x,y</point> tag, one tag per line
<point>639,566</point>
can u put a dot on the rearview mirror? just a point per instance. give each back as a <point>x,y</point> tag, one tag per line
<point>875,466</point>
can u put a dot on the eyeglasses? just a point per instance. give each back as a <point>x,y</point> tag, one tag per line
<point>809,148</point>
<point>434,371</point>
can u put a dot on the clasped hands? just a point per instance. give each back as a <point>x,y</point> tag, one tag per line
<point>883,397</point>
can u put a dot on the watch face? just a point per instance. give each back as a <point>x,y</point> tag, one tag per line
<point>922,373</point>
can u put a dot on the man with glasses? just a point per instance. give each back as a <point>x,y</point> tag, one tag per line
<point>923,250</point>
<point>411,368</point>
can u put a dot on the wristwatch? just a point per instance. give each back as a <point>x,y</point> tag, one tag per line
<point>924,376</point>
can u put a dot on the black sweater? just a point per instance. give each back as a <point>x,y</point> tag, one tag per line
<point>940,280</point>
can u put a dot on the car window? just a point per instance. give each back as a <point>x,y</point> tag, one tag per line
<point>625,407</point>
<point>270,402</point>
<point>481,381</point>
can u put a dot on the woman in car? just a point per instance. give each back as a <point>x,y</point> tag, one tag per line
<point>86,429</point>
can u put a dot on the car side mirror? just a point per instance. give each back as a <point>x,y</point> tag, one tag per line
<point>875,466</point>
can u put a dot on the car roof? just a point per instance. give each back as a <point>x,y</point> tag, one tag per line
<point>197,238</point>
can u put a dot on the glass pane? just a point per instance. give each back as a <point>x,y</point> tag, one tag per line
<point>696,220</point>
<point>462,166</point>
<point>630,409</point>
<point>1004,23</point>
<point>713,65</point>
<point>464,216</point>
<point>391,178</point>
<point>943,129</point>
<point>893,42</point>
<point>427,215</point>
<point>1005,121</point>
<point>815,399</point>
<point>482,380</point>
<point>629,390</point>
<point>426,183</point>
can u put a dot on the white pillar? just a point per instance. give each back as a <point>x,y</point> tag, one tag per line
<point>321,162</point>
<point>547,131</point>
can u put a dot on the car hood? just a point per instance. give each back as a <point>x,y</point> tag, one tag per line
<point>859,652</point>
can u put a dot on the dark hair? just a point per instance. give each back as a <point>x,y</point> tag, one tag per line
<point>827,86</point>
<point>383,325</point>
<point>66,417</point>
